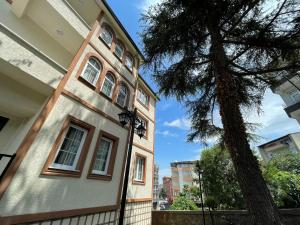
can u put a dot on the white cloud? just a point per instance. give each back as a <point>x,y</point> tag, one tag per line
<point>145,4</point>
<point>273,119</point>
<point>166,133</point>
<point>182,123</point>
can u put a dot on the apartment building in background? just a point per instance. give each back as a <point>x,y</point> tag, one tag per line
<point>288,87</point>
<point>182,174</point>
<point>67,69</point>
<point>155,185</point>
<point>285,144</point>
<point>168,187</point>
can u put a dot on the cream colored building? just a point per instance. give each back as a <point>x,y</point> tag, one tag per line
<point>67,67</point>
<point>289,89</point>
<point>182,174</point>
<point>284,144</point>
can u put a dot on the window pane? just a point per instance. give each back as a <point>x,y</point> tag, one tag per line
<point>129,62</point>
<point>107,36</point>
<point>108,85</point>
<point>3,121</point>
<point>143,97</point>
<point>102,155</point>
<point>139,170</point>
<point>70,147</point>
<point>119,50</point>
<point>92,71</point>
<point>122,96</point>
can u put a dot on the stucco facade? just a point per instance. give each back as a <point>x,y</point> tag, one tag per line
<point>288,143</point>
<point>45,47</point>
<point>288,87</point>
<point>182,174</point>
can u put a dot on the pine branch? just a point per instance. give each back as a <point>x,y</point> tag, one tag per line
<point>264,71</point>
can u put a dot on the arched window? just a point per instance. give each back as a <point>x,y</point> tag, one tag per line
<point>119,50</point>
<point>129,62</point>
<point>122,95</point>
<point>106,35</point>
<point>91,71</point>
<point>108,85</point>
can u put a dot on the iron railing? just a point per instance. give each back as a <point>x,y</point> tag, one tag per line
<point>8,164</point>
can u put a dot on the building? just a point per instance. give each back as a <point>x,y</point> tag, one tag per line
<point>287,143</point>
<point>182,174</point>
<point>155,184</point>
<point>289,89</point>
<point>67,69</point>
<point>168,187</point>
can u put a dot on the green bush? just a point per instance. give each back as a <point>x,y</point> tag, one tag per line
<point>183,203</point>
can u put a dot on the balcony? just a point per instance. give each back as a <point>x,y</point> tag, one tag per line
<point>40,46</point>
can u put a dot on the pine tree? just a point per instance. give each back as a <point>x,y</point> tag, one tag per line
<point>223,54</point>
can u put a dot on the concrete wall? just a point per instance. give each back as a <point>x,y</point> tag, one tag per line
<point>234,217</point>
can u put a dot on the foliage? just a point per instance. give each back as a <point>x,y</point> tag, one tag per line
<point>219,179</point>
<point>289,162</point>
<point>210,202</point>
<point>283,178</point>
<point>163,193</point>
<point>214,54</point>
<point>183,203</point>
<point>178,46</point>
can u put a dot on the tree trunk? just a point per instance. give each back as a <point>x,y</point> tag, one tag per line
<point>255,191</point>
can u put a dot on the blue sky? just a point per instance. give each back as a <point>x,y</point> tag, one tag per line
<point>172,124</point>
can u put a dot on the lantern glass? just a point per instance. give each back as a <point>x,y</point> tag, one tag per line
<point>124,118</point>
<point>141,130</point>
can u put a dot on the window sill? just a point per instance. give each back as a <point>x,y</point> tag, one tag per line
<point>105,96</point>
<point>107,45</point>
<point>99,177</point>
<point>136,182</point>
<point>85,82</point>
<point>120,59</point>
<point>145,106</point>
<point>51,171</point>
<point>129,70</point>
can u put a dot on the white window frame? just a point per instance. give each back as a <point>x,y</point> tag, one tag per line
<point>98,74</point>
<point>126,95</point>
<point>136,169</point>
<point>132,65</point>
<point>122,55</point>
<point>113,87</point>
<point>97,172</point>
<point>73,167</point>
<point>109,31</point>
<point>141,91</point>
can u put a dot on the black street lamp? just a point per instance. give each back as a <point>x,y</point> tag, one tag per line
<point>129,117</point>
<point>200,174</point>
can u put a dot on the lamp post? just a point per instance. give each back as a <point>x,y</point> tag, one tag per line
<point>129,117</point>
<point>200,173</point>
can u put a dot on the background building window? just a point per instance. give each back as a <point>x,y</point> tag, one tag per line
<point>92,71</point>
<point>129,62</point>
<point>122,95</point>
<point>143,97</point>
<point>119,50</point>
<point>69,151</point>
<point>108,85</point>
<point>103,153</point>
<point>3,122</point>
<point>139,168</point>
<point>106,35</point>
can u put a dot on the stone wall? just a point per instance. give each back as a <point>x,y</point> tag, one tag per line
<point>232,217</point>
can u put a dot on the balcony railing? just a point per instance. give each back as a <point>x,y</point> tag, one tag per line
<point>11,158</point>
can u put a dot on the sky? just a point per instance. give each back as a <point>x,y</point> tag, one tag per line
<point>172,124</point>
